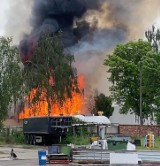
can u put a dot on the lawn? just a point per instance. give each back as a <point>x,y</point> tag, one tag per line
<point>156,144</point>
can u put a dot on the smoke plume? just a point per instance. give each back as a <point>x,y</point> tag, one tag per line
<point>90,28</point>
<point>57,15</point>
<point>18,17</point>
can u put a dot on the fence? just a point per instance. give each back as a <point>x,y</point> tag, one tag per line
<point>7,131</point>
<point>90,155</point>
<point>103,156</point>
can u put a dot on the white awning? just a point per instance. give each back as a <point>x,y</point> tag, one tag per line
<point>94,119</point>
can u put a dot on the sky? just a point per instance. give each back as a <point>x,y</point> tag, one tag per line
<point>3,16</point>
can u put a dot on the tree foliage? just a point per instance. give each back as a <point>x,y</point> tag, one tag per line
<point>152,70</point>
<point>104,103</point>
<point>50,70</point>
<point>151,77</point>
<point>10,76</point>
<point>125,65</point>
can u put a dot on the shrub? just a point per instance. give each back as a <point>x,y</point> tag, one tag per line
<point>18,137</point>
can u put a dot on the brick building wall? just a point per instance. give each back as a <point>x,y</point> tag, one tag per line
<point>138,130</point>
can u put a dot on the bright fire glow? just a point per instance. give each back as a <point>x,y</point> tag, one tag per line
<point>71,106</point>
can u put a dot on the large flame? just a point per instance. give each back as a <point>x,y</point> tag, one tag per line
<point>71,106</point>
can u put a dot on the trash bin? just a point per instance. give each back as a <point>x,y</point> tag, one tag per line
<point>117,144</point>
<point>42,157</point>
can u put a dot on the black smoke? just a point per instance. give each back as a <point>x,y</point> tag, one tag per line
<point>57,15</point>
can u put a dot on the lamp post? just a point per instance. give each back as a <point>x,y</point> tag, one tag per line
<point>140,93</point>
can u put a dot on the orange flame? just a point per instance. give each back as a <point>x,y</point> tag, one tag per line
<point>71,106</point>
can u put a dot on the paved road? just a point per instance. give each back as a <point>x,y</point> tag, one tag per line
<point>32,162</point>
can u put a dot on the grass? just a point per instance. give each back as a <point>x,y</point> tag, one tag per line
<point>78,140</point>
<point>17,138</point>
<point>85,140</point>
<point>156,144</point>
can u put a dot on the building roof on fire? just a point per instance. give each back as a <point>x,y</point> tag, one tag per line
<point>94,119</point>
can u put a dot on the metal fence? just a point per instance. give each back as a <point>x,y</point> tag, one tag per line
<point>90,154</point>
<point>153,156</point>
<point>104,155</point>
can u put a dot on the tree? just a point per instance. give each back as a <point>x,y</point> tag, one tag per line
<point>152,70</point>
<point>129,64</point>
<point>153,36</point>
<point>104,103</point>
<point>50,70</point>
<point>10,76</point>
<point>151,74</point>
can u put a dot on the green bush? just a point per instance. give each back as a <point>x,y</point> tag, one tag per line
<point>11,136</point>
<point>78,140</point>
<point>18,137</point>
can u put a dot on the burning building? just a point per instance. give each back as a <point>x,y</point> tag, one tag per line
<point>90,30</point>
<point>79,22</point>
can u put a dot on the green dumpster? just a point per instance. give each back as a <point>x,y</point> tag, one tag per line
<point>67,150</point>
<point>117,144</point>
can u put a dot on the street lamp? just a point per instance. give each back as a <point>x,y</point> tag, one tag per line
<point>140,93</point>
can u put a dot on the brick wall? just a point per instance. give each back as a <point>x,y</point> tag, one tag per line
<point>138,130</point>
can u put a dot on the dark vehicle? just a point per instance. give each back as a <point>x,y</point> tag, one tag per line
<point>46,130</point>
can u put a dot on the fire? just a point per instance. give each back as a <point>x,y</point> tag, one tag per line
<point>71,106</point>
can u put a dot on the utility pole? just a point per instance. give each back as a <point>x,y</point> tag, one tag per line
<point>140,90</point>
<point>140,95</point>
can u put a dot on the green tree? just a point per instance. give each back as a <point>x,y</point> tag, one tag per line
<point>125,65</point>
<point>104,103</point>
<point>10,76</point>
<point>51,69</point>
<point>152,70</point>
<point>151,77</point>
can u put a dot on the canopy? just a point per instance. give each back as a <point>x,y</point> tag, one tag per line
<point>94,119</point>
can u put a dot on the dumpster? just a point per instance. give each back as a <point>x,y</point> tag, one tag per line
<point>117,144</point>
<point>42,157</point>
<point>67,150</point>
